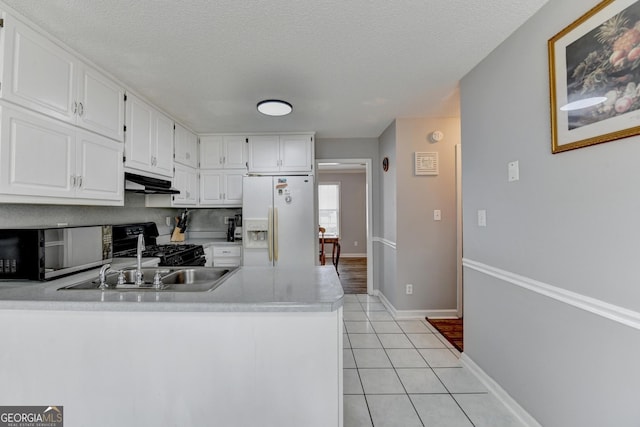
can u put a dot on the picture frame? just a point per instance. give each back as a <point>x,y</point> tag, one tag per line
<point>594,77</point>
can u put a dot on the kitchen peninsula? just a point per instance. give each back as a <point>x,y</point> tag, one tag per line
<point>264,348</point>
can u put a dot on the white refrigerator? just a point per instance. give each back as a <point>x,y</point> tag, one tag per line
<point>278,221</point>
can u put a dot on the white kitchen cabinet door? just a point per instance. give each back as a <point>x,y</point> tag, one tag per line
<point>264,153</point>
<point>281,153</point>
<point>37,73</point>
<point>211,187</point>
<point>139,119</point>
<point>37,154</point>
<point>221,188</point>
<point>186,147</point>
<point>42,76</point>
<point>211,149</point>
<point>233,188</point>
<point>223,152</point>
<point>100,105</point>
<point>235,152</point>
<point>43,160</point>
<point>149,139</point>
<point>186,180</point>
<point>99,173</point>
<point>163,147</point>
<point>296,153</point>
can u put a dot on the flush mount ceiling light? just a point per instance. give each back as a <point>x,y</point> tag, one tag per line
<point>274,107</point>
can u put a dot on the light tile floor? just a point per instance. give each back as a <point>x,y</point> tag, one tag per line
<point>404,373</point>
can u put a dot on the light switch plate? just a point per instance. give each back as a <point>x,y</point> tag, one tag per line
<point>514,171</point>
<point>437,215</point>
<point>482,218</point>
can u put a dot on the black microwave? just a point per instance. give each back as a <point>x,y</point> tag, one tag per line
<point>47,253</point>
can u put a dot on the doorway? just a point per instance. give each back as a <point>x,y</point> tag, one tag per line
<point>348,173</point>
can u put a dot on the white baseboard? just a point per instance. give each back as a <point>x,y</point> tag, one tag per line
<point>343,255</point>
<point>414,314</point>
<point>504,397</point>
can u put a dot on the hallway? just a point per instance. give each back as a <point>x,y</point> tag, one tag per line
<point>404,374</point>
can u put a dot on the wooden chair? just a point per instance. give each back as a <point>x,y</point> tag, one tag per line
<point>323,257</point>
<point>336,255</point>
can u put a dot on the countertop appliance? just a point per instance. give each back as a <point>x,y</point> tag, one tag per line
<point>237,225</point>
<point>278,221</point>
<point>234,228</point>
<point>43,253</point>
<point>125,238</point>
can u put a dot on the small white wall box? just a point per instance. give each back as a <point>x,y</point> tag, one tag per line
<point>426,163</point>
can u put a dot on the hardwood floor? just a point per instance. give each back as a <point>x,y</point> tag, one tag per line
<point>353,275</point>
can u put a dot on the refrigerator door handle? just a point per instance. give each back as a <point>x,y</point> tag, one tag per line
<point>270,234</point>
<point>275,234</point>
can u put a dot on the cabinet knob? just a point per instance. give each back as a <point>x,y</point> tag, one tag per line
<point>80,109</point>
<point>75,107</point>
<point>73,180</point>
<point>80,182</point>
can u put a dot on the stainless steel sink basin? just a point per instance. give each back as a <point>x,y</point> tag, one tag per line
<point>173,279</point>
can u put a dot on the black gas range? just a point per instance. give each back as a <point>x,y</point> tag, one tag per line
<point>125,238</point>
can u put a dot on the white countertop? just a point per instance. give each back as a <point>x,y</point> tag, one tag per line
<point>248,289</point>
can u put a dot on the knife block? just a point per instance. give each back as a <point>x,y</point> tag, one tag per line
<point>177,235</point>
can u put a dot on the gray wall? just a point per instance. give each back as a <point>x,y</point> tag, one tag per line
<point>570,222</point>
<point>353,210</point>
<point>426,249</point>
<point>384,248</point>
<point>413,248</point>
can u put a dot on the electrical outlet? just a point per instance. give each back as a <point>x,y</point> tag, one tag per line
<point>437,215</point>
<point>167,220</point>
<point>226,219</point>
<point>409,289</point>
<point>355,243</point>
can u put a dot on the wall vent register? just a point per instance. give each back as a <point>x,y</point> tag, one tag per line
<point>426,163</point>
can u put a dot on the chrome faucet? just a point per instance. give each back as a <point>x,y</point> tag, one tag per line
<point>140,248</point>
<point>102,276</point>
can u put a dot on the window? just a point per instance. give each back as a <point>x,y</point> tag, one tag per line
<point>329,207</point>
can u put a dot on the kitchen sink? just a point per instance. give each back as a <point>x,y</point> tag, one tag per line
<point>173,279</point>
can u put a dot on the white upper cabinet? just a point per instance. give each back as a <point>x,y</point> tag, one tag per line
<point>186,146</point>
<point>163,144</point>
<point>99,167</point>
<point>281,153</point>
<point>186,180</point>
<point>43,160</point>
<point>223,152</point>
<point>149,139</point>
<point>100,105</point>
<point>42,76</point>
<point>221,187</point>
<point>296,153</point>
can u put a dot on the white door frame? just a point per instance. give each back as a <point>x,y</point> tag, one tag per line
<point>369,210</point>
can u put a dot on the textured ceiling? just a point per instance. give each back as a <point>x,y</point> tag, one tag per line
<point>349,67</point>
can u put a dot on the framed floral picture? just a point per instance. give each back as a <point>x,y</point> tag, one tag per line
<point>594,75</point>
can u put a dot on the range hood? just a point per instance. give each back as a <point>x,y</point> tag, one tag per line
<point>147,185</point>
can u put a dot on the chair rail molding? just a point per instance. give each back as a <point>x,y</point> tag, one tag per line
<point>607,310</point>
<point>385,242</point>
